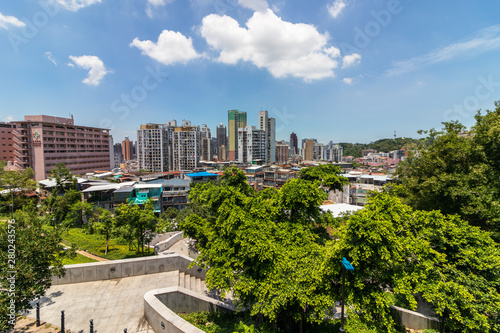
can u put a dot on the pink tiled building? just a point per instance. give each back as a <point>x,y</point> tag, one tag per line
<point>6,143</point>
<point>41,142</point>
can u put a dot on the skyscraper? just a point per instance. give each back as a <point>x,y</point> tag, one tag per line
<point>268,125</point>
<point>127,149</point>
<point>152,147</point>
<point>221,142</point>
<point>294,143</point>
<point>236,119</point>
<point>282,151</point>
<point>206,143</point>
<point>309,150</point>
<point>186,146</point>
<point>251,144</point>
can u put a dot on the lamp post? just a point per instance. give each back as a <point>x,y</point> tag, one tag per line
<point>346,266</point>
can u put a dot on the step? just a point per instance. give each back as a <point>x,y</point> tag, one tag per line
<point>193,283</point>
<point>187,281</point>
<point>181,279</point>
<point>199,288</point>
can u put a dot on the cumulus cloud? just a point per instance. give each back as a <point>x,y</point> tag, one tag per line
<point>9,118</point>
<point>351,60</point>
<point>10,21</point>
<point>336,8</point>
<point>96,68</point>
<point>74,5</point>
<point>172,47</point>
<point>283,48</point>
<point>348,80</point>
<point>51,57</point>
<point>256,5</point>
<point>485,40</point>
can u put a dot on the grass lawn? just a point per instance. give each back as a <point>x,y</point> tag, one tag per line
<point>96,244</point>
<point>79,259</point>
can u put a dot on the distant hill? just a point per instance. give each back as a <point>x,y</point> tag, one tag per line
<point>382,145</point>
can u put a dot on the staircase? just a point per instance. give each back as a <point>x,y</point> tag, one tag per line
<point>192,283</point>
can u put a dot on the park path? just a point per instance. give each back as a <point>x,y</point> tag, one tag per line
<point>91,256</point>
<point>86,254</point>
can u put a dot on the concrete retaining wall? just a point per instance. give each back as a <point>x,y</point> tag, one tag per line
<point>116,269</point>
<point>161,305</point>
<point>162,237</point>
<point>415,320</point>
<point>166,244</point>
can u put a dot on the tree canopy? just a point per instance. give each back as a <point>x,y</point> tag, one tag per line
<point>261,246</point>
<point>38,256</point>
<point>457,173</point>
<point>453,266</point>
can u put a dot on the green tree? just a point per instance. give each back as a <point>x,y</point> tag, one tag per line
<point>136,223</point>
<point>327,174</point>
<point>104,224</point>
<point>65,207</point>
<point>452,265</point>
<point>63,177</point>
<point>262,246</point>
<point>455,174</point>
<point>17,184</point>
<point>38,256</point>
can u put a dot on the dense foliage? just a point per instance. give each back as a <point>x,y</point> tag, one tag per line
<point>382,145</point>
<point>261,246</point>
<point>453,266</point>
<point>37,257</point>
<point>458,174</point>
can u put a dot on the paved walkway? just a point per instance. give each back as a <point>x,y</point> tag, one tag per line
<point>112,304</point>
<point>91,256</point>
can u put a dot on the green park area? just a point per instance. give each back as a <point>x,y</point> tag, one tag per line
<point>80,239</point>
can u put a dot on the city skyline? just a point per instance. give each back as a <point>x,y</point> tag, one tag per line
<point>346,71</point>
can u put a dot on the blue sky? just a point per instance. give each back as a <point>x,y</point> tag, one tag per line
<point>340,70</point>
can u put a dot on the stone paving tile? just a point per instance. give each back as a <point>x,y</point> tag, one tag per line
<point>112,304</point>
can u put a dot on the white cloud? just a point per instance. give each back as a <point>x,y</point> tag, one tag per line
<point>336,8</point>
<point>155,3</point>
<point>96,68</point>
<point>6,21</point>
<point>171,47</point>
<point>74,5</point>
<point>158,2</point>
<point>486,40</point>
<point>283,48</point>
<point>348,80</point>
<point>9,118</point>
<point>351,60</point>
<point>256,5</point>
<point>51,57</point>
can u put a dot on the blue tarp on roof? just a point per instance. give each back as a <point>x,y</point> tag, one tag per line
<point>202,174</point>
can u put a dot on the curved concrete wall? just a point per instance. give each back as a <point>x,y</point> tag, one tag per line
<point>166,244</point>
<point>116,269</point>
<point>415,320</point>
<point>161,305</point>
